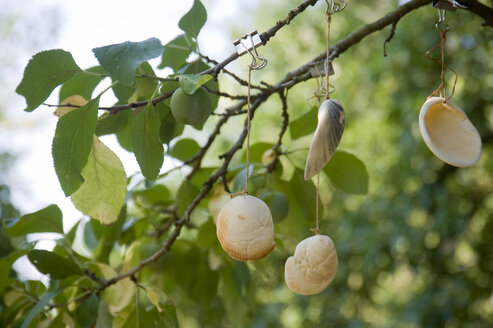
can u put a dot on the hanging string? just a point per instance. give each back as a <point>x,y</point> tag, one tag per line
<point>327,93</point>
<point>317,230</point>
<point>441,88</point>
<point>245,191</point>
<point>443,27</point>
<point>443,36</point>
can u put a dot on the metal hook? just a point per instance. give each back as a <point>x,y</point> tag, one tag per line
<point>441,25</point>
<point>335,6</point>
<point>318,71</point>
<point>254,40</point>
<point>257,56</point>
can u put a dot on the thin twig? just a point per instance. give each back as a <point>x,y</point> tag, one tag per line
<point>266,36</point>
<point>391,35</point>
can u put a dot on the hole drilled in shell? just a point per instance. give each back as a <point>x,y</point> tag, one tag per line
<point>448,133</point>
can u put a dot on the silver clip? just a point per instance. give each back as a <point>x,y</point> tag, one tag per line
<point>318,69</point>
<point>335,6</point>
<point>249,43</point>
<point>451,5</point>
<point>441,25</point>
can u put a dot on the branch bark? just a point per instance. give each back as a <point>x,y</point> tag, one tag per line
<point>479,9</point>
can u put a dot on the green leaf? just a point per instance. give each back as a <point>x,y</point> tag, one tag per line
<point>169,128</point>
<point>305,124</point>
<point>146,143</point>
<point>82,84</point>
<point>120,60</point>
<point>111,123</point>
<point>197,67</point>
<point>70,236</point>
<point>348,173</point>
<point>49,219</point>
<point>58,267</point>
<point>87,312</point>
<point>144,87</point>
<point>303,200</point>
<point>39,307</point>
<point>123,92</point>
<point>186,194</point>
<point>111,235</point>
<point>103,192</point>
<point>150,317</point>
<point>194,19</point>
<point>124,138</point>
<point>207,235</point>
<point>44,72</point>
<point>204,286</point>
<point>191,82</point>
<point>118,295</point>
<point>176,52</point>
<point>72,144</point>
<point>90,234</point>
<point>5,266</point>
<point>168,316</point>
<point>184,149</point>
<point>241,277</point>
<point>158,194</point>
<point>104,318</point>
<point>256,151</point>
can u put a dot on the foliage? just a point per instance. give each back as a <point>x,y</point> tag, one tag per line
<point>413,235</point>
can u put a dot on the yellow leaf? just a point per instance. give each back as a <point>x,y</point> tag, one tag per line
<point>153,296</point>
<point>75,100</point>
<point>118,295</point>
<point>102,194</point>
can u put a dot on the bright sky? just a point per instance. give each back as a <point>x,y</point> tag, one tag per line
<point>86,25</point>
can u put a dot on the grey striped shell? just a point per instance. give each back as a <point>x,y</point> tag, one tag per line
<point>331,122</point>
<point>245,228</point>
<point>313,266</point>
<point>448,133</point>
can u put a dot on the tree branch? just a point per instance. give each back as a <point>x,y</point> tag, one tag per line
<point>479,9</point>
<point>266,36</point>
<point>291,79</point>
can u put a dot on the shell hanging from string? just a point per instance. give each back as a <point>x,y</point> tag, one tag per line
<point>331,116</point>
<point>244,227</point>
<point>314,264</point>
<point>444,126</point>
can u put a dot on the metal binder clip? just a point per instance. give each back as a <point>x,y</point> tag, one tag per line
<point>249,43</point>
<point>451,5</point>
<point>318,69</point>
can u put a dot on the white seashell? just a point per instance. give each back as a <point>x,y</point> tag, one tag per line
<point>245,228</point>
<point>331,122</point>
<point>448,133</point>
<point>313,266</point>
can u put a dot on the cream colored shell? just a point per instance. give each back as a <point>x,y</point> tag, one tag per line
<point>313,266</point>
<point>245,228</point>
<point>331,122</point>
<point>448,133</point>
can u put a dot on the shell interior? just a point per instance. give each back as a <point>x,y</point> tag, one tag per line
<point>448,133</point>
